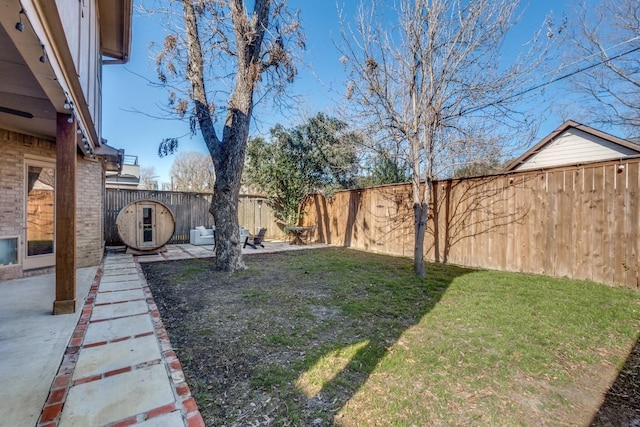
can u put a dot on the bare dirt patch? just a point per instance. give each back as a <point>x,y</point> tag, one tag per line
<point>246,339</point>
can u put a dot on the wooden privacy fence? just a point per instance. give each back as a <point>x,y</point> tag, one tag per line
<point>579,222</point>
<point>190,210</point>
<point>254,212</point>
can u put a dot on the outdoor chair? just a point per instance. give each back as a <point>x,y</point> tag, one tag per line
<point>202,236</point>
<point>310,234</point>
<point>256,240</point>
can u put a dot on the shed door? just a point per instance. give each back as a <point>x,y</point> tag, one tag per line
<point>146,225</point>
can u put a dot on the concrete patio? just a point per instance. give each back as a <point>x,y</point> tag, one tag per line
<point>110,363</point>
<point>184,251</point>
<point>32,342</point>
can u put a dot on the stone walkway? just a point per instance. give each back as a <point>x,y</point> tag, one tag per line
<point>119,368</point>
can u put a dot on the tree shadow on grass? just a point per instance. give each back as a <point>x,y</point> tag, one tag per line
<point>293,339</point>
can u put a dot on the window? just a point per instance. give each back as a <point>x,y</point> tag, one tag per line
<point>8,251</point>
<point>39,214</point>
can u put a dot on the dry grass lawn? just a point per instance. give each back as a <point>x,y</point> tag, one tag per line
<point>341,337</point>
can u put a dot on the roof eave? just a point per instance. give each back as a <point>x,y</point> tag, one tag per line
<point>115,29</point>
<point>562,128</point>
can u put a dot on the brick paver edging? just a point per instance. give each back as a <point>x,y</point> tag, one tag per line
<point>184,401</point>
<point>181,389</point>
<point>50,415</point>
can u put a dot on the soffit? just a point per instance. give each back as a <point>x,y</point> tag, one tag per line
<point>24,105</point>
<point>115,28</point>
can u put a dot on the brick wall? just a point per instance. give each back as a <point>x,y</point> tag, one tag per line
<point>15,148</point>
<point>89,213</point>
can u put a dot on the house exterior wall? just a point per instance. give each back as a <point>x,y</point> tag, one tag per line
<point>127,179</point>
<point>89,213</point>
<point>16,148</point>
<point>574,146</point>
<point>81,27</point>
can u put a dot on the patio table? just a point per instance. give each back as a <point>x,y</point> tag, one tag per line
<point>296,234</point>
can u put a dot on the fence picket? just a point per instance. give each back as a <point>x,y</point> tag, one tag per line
<point>579,221</point>
<point>190,211</point>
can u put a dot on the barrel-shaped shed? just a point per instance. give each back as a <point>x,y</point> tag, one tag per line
<point>145,225</point>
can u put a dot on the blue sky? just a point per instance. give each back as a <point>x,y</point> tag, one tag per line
<point>125,91</point>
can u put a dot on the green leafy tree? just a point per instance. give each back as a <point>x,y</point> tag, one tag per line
<point>478,168</point>
<point>317,156</point>
<point>387,170</point>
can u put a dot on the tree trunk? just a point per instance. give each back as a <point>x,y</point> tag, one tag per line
<point>420,212</point>
<point>224,208</point>
<point>228,154</point>
<point>224,205</point>
<point>420,206</point>
<point>420,217</point>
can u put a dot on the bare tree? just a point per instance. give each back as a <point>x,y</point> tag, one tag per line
<point>229,57</point>
<point>435,83</point>
<point>193,171</point>
<point>608,46</point>
<point>148,178</point>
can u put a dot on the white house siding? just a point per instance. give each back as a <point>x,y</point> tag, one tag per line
<point>69,12</point>
<point>94,88</point>
<point>82,30</point>
<point>574,146</point>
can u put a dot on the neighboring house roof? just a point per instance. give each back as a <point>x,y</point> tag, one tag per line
<point>573,143</point>
<point>126,176</point>
<point>113,157</point>
<point>121,181</point>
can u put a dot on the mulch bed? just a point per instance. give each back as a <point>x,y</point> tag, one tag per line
<point>621,405</point>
